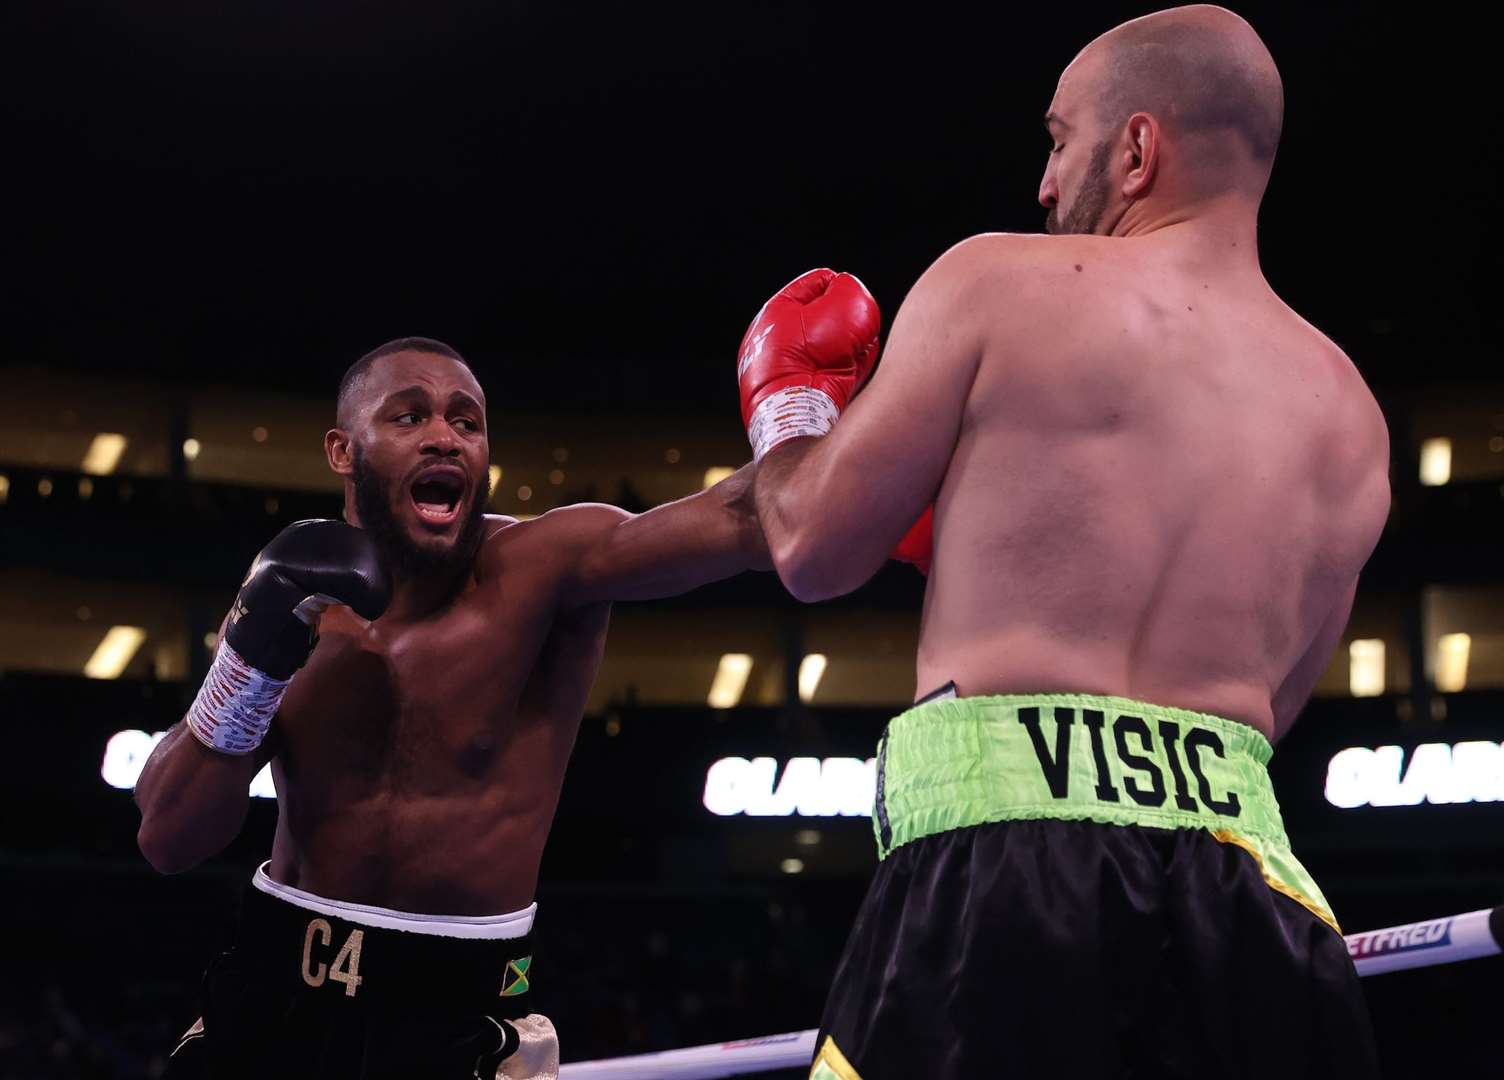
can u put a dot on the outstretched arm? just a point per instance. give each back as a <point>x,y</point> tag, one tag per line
<point>670,549</point>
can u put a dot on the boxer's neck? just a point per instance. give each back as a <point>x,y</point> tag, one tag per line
<point>419,597</point>
<point>1225,224</point>
<point>416,595</point>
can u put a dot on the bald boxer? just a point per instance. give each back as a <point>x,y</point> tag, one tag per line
<point>1154,487</point>
<point>415,675</point>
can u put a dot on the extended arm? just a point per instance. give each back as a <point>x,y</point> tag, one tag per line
<point>666,551</point>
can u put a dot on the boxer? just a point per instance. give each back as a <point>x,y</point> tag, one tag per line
<point>415,675</point>
<point>1154,487</point>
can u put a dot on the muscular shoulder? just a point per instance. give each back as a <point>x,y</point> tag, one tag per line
<point>1014,284</point>
<point>557,537</point>
<point>1360,433</point>
<point>988,255</point>
<point>964,294</point>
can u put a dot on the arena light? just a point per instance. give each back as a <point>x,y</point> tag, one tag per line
<point>104,453</point>
<point>804,786</point>
<point>792,866</point>
<point>495,474</point>
<point>716,473</point>
<point>191,448</point>
<point>1365,667</point>
<point>114,652</point>
<point>811,671</point>
<point>1437,773</point>
<point>1451,662</point>
<point>125,756</point>
<point>4,488</point>
<point>1435,462</point>
<point>730,680</point>
<point>126,753</point>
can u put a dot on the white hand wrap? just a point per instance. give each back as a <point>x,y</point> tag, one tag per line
<point>788,413</point>
<point>235,706</point>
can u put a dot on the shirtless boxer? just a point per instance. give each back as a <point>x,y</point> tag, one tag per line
<point>1154,487</point>
<point>418,753</point>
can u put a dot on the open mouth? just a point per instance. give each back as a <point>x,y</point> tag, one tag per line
<point>436,494</point>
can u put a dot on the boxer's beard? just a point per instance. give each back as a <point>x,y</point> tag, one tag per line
<point>400,554</point>
<point>1086,212</point>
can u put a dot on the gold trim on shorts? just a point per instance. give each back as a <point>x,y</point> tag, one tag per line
<point>1227,836</point>
<point>831,1064</point>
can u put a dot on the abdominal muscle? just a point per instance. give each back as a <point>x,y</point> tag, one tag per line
<point>436,854</point>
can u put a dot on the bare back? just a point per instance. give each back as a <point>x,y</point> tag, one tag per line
<point>1164,486</point>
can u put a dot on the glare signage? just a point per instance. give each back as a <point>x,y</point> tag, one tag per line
<point>802,787</point>
<point>126,753</point>
<point>1436,773</point>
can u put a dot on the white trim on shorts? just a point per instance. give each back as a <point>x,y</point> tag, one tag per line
<point>514,924</point>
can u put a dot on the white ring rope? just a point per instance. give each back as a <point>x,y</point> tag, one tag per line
<point>1374,952</point>
<point>795,1050</point>
<point>1423,944</point>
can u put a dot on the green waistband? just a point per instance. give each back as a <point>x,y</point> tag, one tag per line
<point>954,763</point>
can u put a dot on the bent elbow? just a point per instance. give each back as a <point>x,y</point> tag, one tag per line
<point>160,850</point>
<point>806,590</point>
<point>807,573</point>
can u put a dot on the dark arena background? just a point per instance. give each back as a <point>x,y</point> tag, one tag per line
<point>215,207</point>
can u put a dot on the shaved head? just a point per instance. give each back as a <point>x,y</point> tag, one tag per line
<point>1178,109</point>
<point>353,383</point>
<point>1204,74</point>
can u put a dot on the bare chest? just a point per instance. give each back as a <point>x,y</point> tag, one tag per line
<point>411,707</point>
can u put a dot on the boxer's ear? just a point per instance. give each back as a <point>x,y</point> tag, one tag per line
<point>1143,135</point>
<point>339,451</point>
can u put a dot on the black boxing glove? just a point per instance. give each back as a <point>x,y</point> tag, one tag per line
<point>273,626</point>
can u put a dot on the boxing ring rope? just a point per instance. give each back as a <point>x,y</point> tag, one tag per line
<point>1446,940</point>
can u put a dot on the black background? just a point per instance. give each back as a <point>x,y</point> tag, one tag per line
<point>258,193</point>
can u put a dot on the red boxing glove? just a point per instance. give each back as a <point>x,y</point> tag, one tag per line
<point>805,354</point>
<point>918,544</point>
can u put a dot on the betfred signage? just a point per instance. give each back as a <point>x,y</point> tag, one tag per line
<point>1400,939</point>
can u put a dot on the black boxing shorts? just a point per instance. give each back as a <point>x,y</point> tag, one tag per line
<point>319,988</point>
<point>1074,886</point>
